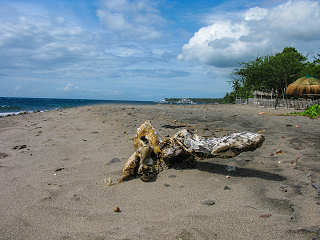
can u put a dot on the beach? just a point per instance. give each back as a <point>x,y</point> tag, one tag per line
<point>54,166</point>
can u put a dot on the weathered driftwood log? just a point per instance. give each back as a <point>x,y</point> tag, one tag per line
<point>153,154</point>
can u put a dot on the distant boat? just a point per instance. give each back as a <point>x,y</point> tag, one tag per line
<point>185,101</point>
<point>163,101</point>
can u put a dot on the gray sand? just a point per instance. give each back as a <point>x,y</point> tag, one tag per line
<point>54,187</point>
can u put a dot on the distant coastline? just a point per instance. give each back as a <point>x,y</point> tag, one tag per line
<point>193,101</point>
<point>17,105</point>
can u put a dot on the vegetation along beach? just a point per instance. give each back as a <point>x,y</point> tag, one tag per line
<point>159,119</point>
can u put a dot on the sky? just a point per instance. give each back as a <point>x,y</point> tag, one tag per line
<point>143,49</point>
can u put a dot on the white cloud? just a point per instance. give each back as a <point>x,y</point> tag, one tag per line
<point>218,44</point>
<point>49,52</point>
<point>40,42</point>
<point>138,18</point>
<point>297,20</point>
<point>255,13</point>
<point>257,31</point>
<point>124,51</point>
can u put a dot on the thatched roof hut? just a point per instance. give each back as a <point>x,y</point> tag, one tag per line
<point>304,86</point>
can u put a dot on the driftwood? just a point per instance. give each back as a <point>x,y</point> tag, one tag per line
<point>153,154</point>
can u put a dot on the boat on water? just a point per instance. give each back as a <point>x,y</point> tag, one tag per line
<point>163,101</point>
<point>185,101</point>
<point>176,101</point>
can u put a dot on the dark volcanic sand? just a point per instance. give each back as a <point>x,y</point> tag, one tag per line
<point>54,186</point>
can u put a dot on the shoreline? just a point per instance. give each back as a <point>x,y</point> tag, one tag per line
<point>16,106</point>
<point>53,167</point>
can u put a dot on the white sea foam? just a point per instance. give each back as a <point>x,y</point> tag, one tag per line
<point>13,113</point>
<point>8,113</point>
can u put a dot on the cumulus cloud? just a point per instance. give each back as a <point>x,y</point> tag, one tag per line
<point>257,31</point>
<point>255,13</point>
<point>138,18</point>
<point>296,20</point>
<point>47,52</point>
<point>38,41</point>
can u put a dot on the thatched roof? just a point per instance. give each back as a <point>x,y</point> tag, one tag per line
<point>304,86</point>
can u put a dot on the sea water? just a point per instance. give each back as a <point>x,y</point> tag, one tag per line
<point>13,105</point>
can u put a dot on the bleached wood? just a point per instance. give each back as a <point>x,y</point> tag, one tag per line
<point>153,154</point>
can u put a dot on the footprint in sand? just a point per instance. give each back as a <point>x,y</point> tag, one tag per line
<point>75,197</point>
<point>3,155</point>
<point>52,192</point>
<point>38,133</point>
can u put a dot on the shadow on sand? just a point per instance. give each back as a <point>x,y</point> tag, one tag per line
<point>239,172</point>
<point>222,169</point>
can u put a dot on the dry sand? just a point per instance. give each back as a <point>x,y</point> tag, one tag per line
<point>53,188</point>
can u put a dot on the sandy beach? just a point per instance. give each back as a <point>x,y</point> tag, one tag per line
<point>53,167</point>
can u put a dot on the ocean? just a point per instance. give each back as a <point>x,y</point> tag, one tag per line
<point>13,105</point>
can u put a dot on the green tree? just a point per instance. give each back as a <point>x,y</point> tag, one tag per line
<point>271,73</point>
<point>312,68</point>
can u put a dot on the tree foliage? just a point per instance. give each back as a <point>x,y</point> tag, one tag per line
<point>272,73</point>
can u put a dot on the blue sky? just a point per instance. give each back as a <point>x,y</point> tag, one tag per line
<point>143,49</point>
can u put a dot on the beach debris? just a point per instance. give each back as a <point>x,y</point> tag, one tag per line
<point>154,155</point>
<point>19,147</point>
<point>261,113</point>
<point>116,209</point>
<point>76,197</point>
<point>267,215</point>
<point>208,202</point>
<point>227,177</point>
<point>226,188</point>
<point>3,155</point>
<point>283,188</point>
<point>292,218</point>
<point>166,185</point>
<point>172,176</point>
<point>277,152</point>
<point>294,164</point>
<point>59,169</point>
<point>172,126</point>
<point>113,160</point>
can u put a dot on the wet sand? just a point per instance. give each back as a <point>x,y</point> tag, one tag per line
<point>53,167</point>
